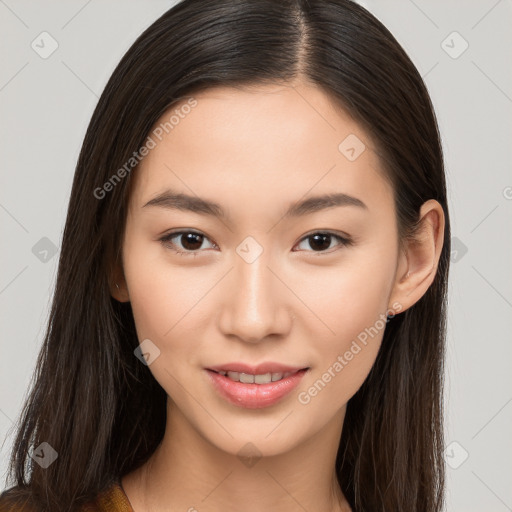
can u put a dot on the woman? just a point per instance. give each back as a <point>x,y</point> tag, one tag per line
<point>250,303</point>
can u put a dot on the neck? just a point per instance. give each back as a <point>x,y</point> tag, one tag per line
<point>187,472</point>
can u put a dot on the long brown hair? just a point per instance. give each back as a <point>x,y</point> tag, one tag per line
<point>88,382</point>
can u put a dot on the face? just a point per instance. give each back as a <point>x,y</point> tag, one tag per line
<point>245,281</point>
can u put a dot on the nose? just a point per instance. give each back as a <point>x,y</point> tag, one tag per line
<point>256,304</point>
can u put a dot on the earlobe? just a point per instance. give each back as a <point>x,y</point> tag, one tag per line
<point>119,292</point>
<point>418,263</point>
<point>118,287</point>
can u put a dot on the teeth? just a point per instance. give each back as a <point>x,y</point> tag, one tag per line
<point>262,379</point>
<point>248,378</point>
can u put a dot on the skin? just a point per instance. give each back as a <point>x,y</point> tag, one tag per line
<point>255,152</point>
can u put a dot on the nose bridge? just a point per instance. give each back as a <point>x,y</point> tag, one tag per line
<point>254,283</point>
<point>255,306</point>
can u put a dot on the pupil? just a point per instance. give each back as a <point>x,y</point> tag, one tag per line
<point>321,238</point>
<point>320,241</point>
<point>191,238</point>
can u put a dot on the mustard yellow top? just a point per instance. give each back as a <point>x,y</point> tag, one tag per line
<point>112,499</point>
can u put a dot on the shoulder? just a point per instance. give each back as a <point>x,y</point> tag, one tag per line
<point>15,499</point>
<point>112,499</point>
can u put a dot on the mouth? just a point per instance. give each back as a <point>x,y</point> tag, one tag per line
<point>255,390</point>
<point>250,378</point>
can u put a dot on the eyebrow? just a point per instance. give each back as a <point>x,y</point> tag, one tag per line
<point>178,201</point>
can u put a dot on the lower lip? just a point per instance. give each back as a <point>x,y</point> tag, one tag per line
<point>255,396</point>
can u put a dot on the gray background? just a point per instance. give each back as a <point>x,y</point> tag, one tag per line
<point>46,104</point>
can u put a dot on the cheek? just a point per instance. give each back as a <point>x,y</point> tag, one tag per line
<point>347,296</point>
<point>350,302</point>
<point>172,308</point>
<point>161,296</point>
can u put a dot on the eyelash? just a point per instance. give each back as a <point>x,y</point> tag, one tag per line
<point>165,240</point>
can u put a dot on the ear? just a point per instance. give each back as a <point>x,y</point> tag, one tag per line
<point>119,292</point>
<point>418,261</point>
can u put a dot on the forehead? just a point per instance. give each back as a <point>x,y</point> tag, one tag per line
<point>265,141</point>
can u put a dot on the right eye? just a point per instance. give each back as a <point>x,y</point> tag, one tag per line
<point>189,241</point>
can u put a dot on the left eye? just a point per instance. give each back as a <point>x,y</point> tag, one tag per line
<point>192,241</point>
<point>322,239</point>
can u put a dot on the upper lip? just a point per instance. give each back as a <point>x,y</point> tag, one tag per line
<point>260,369</point>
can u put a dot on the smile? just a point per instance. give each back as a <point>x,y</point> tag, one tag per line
<point>254,391</point>
<point>248,378</point>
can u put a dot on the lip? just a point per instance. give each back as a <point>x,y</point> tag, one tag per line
<point>255,396</point>
<point>260,369</point>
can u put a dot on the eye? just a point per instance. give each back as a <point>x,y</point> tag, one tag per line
<point>321,240</point>
<point>191,241</point>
